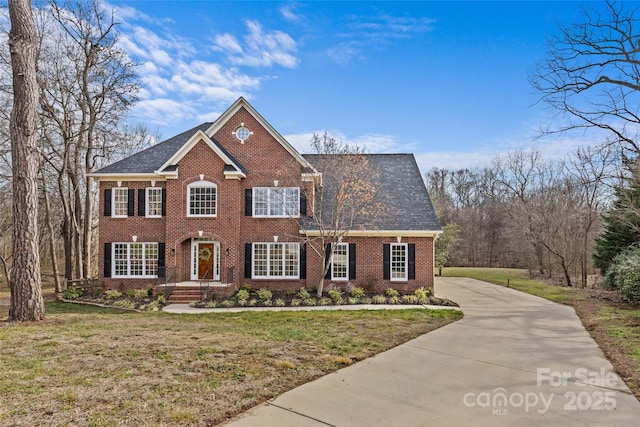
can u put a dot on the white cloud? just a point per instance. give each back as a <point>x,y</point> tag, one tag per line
<point>265,49</point>
<point>288,13</point>
<point>227,43</point>
<point>163,110</point>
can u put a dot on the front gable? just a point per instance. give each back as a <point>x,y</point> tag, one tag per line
<point>232,169</point>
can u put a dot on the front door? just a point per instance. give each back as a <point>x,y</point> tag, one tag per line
<point>205,260</point>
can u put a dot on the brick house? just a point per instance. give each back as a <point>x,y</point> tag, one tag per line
<point>221,204</point>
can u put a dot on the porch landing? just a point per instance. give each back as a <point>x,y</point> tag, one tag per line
<point>190,291</point>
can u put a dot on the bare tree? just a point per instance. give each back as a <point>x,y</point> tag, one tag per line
<point>592,76</point>
<point>26,294</point>
<point>345,199</point>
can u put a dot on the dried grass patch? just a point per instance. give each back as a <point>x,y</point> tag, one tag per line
<point>88,366</point>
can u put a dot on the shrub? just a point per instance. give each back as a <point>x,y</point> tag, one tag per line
<point>139,293</point>
<point>211,304</point>
<point>124,303</point>
<point>325,301</point>
<point>357,292</point>
<point>393,300</point>
<point>422,293</point>
<point>390,292</point>
<point>353,300</point>
<point>267,303</point>
<point>295,302</point>
<point>265,294</point>
<point>161,299</point>
<point>252,302</point>
<point>409,299</point>
<point>150,291</point>
<point>624,274</point>
<point>228,303</point>
<point>242,295</point>
<point>153,306</point>
<point>303,293</point>
<point>336,295</point>
<point>113,294</point>
<point>279,302</point>
<point>310,301</point>
<point>245,287</point>
<point>72,293</point>
<point>379,299</point>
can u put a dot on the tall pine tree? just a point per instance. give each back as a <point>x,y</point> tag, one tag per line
<point>622,225</point>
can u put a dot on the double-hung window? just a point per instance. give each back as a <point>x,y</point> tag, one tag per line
<point>202,199</point>
<point>276,260</point>
<point>154,202</point>
<point>399,261</point>
<point>132,259</point>
<point>340,262</point>
<point>119,202</point>
<point>276,202</point>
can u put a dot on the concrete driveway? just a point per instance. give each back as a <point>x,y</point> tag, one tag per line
<point>513,360</point>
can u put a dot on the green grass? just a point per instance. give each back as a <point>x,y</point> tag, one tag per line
<point>87,365</point>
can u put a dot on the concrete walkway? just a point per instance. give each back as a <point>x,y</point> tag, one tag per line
<point>514,360</point>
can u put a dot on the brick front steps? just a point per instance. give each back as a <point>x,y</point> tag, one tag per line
<point>187,292</point>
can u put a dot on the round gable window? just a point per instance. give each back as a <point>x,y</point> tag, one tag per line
<point>242,133</point>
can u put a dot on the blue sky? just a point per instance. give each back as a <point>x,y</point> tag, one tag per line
<point>447,81</point>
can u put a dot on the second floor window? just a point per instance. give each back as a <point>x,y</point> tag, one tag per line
<point>202,199</point>
<point>154,202</point>
<point>120,202</point>
<point>276,201</point>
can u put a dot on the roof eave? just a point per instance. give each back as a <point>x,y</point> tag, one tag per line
<point>376,233</point>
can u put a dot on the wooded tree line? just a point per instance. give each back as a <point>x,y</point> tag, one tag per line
<point>87,85</point>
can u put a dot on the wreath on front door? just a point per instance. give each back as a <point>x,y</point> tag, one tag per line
<point>205,254</point>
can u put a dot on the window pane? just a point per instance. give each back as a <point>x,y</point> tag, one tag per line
<point>202,201</point>
<point>292,202</point>
<point>275,259</point>
<point>339,261</point>
<point>120,201</point>
<point>120,259</point>
<point>399,262</point>
<point>291,260</point>
<point>135,259</point>
<point>261,201</point>
<point>151,259</point>
<point>276,203</point>
<point>154,201</point>
<point>260,259</point>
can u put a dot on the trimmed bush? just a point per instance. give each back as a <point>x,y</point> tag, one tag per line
<point>357,292</point>
<point>390,292</point>
<point>72,293</point>
<point>624,274</point>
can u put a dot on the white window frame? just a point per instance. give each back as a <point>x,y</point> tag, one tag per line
<point>202,184</point>
<point>286,264</point>
<point>340,249</point>
<point>147,263</point>
<point>274,201</point>
<point>148,201</point>
<point>399,268</point>
<point>114,205</point>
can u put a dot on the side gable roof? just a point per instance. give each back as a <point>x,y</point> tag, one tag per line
<point>240,103</point>
<point>405,202</point>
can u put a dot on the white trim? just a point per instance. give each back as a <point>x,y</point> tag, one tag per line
<point>406,262</point>
<point>128,259</point>
<point>147,190</point>
<point>375,233</point>
<point>191,142</point>
<point>125,177</point>
<point>346,277</point>
<point>269,202</point>
<point>202,184</point>
<point>268,266</point>
<point>114,190</point>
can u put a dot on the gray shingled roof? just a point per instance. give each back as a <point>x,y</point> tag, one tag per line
<point>401,191</point>
<point>152,158</point>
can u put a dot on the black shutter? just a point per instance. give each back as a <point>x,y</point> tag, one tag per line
<point>247,260</point>
<point>327,258</point>
<point>412,261</point>
<point>164,202</point>
<point>141,198</point>
<point>107,202</point>
<point>107,260</point>
<point>131,196</point>
<point>352,261</point>
<point>386,261</point>
<point>248,202</point>
<point>303,261</point>
<point>162,269</point>
<point>303,203</point>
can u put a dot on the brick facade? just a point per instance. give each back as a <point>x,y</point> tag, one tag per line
<point>267,163</point>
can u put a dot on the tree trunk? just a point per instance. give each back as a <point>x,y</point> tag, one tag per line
<point>50,230</point>
<point>26,294</point>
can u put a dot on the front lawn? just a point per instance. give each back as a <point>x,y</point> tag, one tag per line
<point>613,324</point>
<point>103,367</point>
